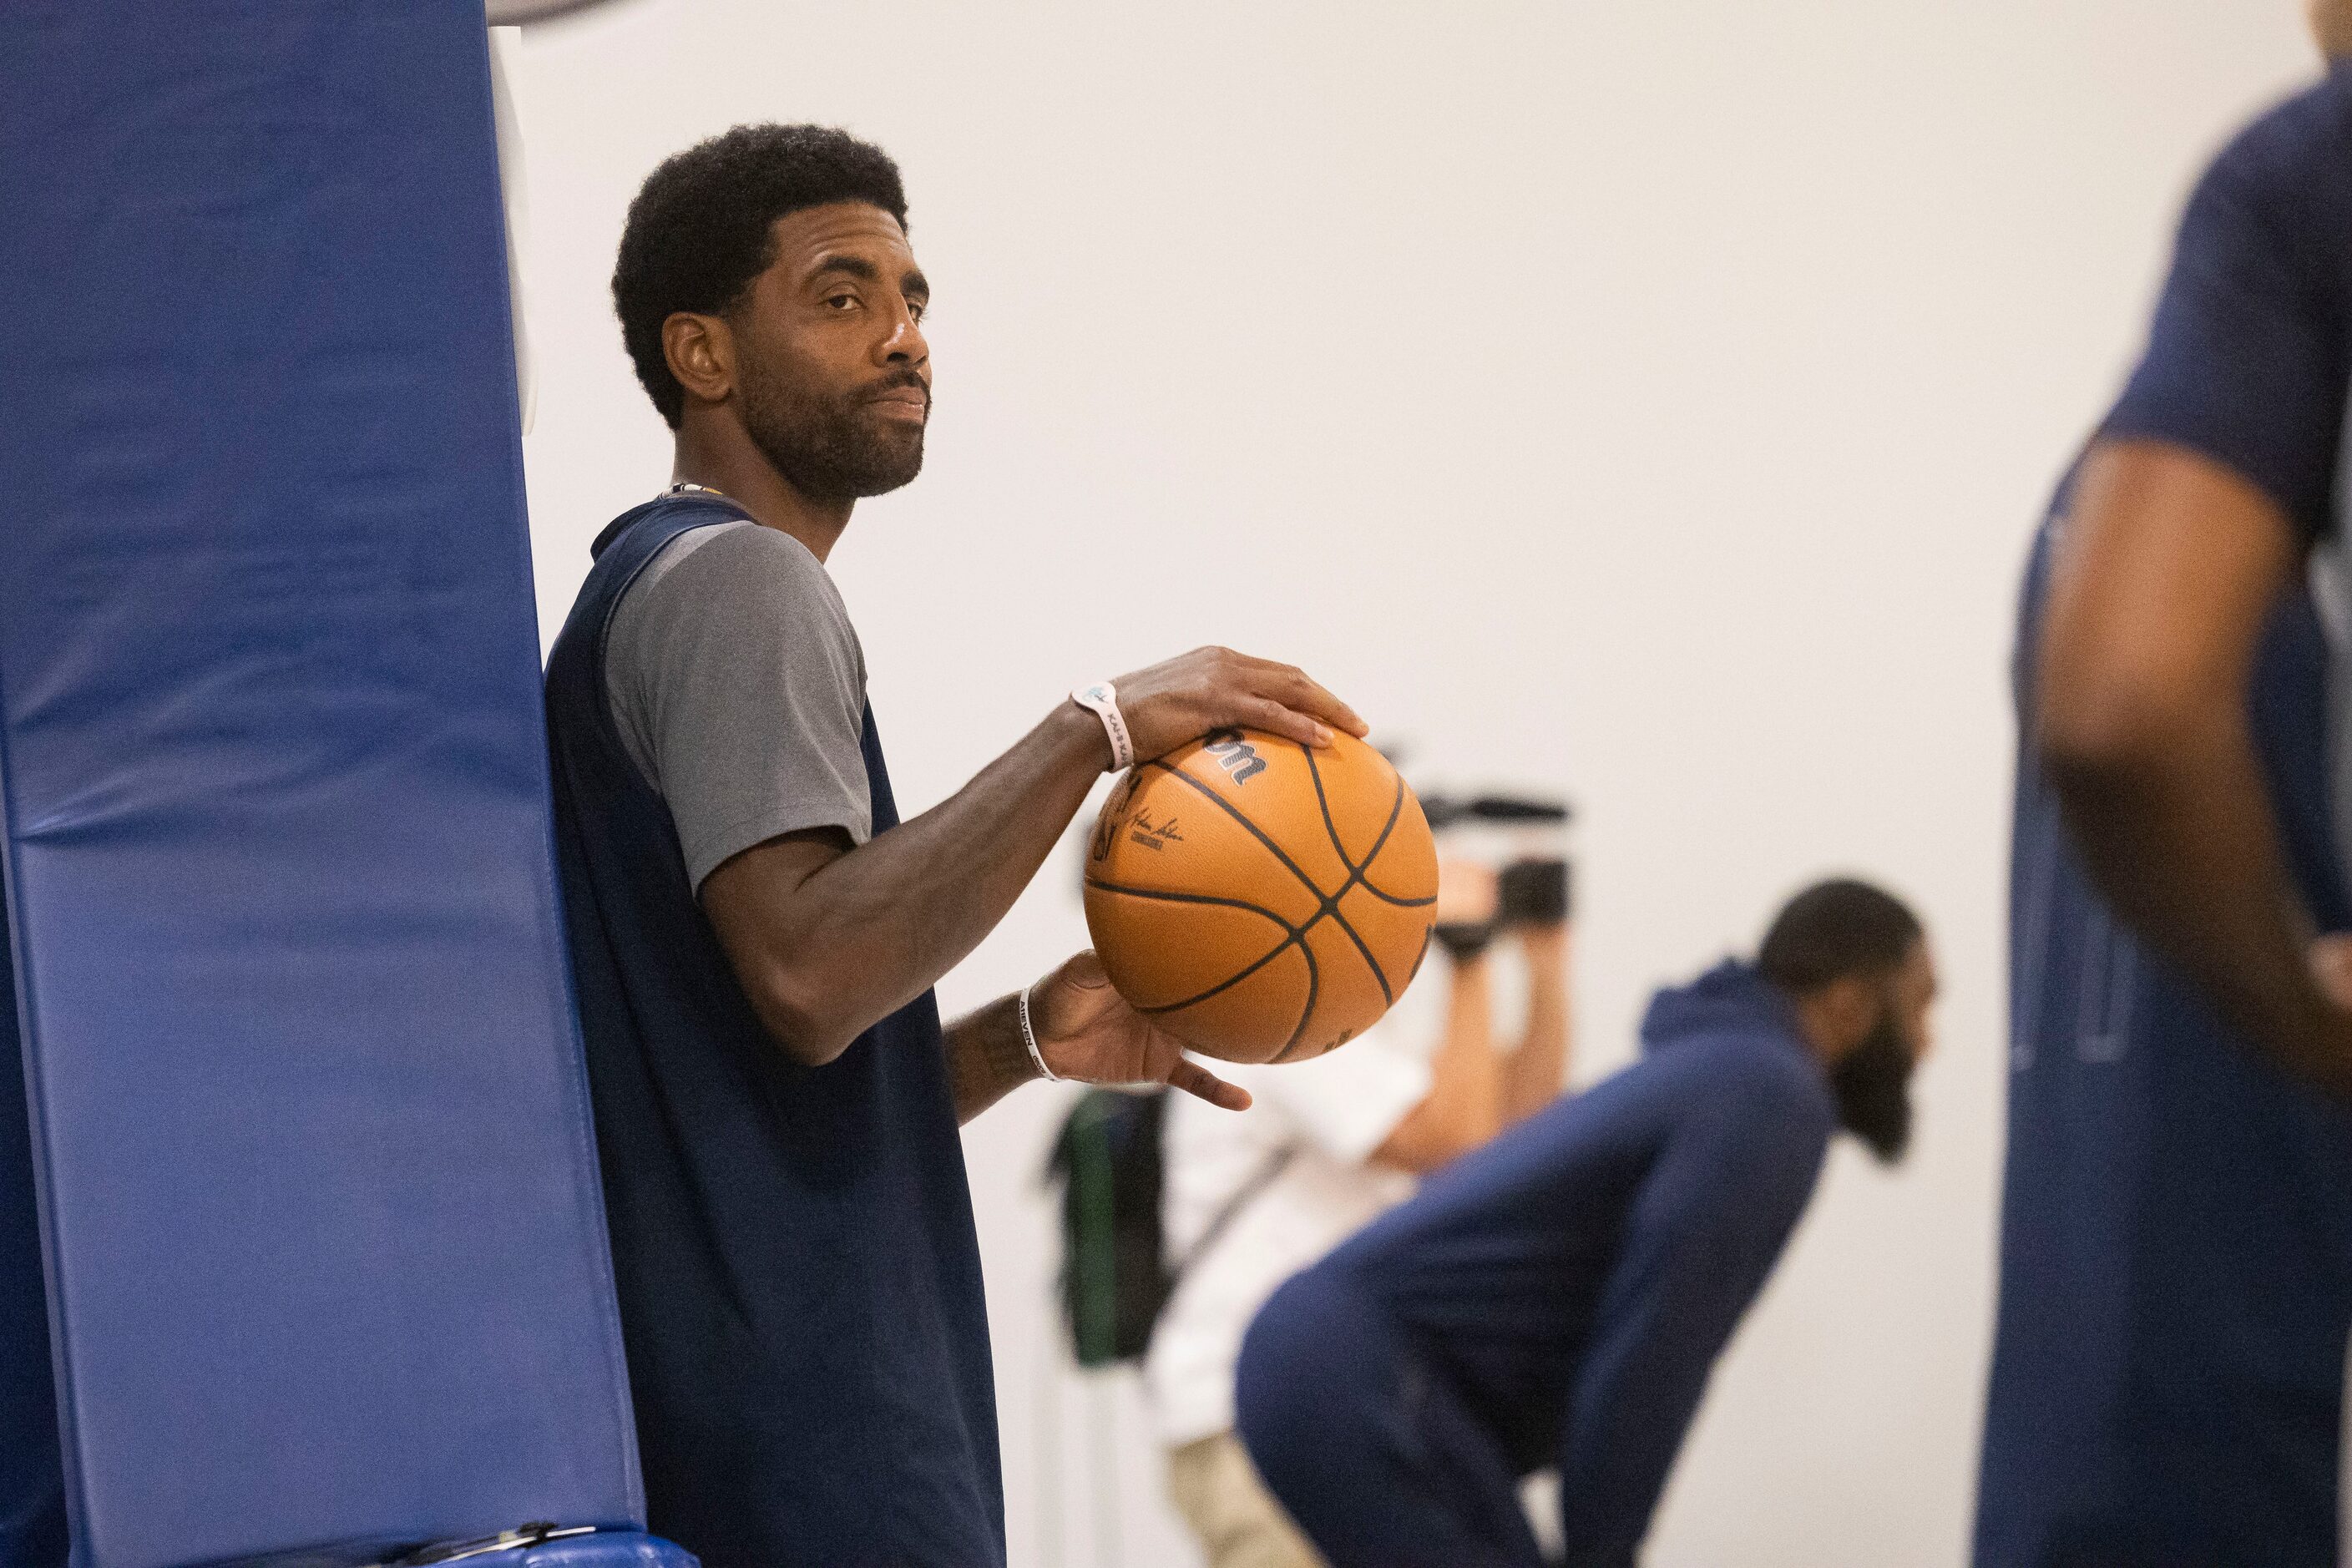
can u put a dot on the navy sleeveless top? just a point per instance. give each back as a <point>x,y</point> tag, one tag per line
<point>799,1276</point>
<point>2176,1286</point>
<point>2176,1279</point>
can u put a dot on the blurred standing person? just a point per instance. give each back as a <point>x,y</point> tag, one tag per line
<point>2176,1231</point>
<point>1327,1146</point>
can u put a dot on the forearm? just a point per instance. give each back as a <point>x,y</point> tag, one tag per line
<point>1534,1073</point>
<point>863,933</point>
<point>2177,836</point>
<point>987,1058</point>
<point>1464,1106</point>
<point>1466,1093</point>
<point>2168,571</point>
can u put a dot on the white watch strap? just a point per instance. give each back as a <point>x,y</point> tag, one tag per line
<point>1101,699</point>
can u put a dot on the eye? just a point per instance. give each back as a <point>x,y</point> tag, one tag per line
<point>845,301</point>
<point>917,309</point>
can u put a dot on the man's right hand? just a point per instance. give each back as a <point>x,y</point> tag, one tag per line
<point>1184,697</point>
<point>2331,966</point>
<point>2322,1051</point>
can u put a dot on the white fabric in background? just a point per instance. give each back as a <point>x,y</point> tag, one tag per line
<point>1335,1110</point>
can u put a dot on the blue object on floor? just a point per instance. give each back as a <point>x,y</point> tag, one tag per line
<point>606,1549</point>
<point>323,1232</point>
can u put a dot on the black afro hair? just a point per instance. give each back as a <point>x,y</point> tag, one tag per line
<point>698,230</point>
<point>1833,930</point>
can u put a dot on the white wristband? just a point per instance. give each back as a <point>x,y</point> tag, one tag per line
<point>1029,1038</point>
<point>1101,699</point>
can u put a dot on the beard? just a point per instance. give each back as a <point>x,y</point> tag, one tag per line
<point>831,447</point>
<point>1872,1086</point>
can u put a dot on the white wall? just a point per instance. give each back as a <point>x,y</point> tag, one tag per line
<point>1648,400</point>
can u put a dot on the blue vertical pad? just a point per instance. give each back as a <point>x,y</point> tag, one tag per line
<point>32,1499</point>
<point>323,1235</point>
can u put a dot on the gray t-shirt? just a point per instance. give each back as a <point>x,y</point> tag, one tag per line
<point>739,688</point>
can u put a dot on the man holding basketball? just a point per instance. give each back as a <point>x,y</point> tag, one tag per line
<point>754,936</point>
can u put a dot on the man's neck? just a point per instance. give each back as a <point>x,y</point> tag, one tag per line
<point>739,470</point>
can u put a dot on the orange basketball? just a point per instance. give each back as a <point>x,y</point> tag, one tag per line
<point>1260,899</point>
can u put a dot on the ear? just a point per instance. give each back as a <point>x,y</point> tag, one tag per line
<point>700,350</point>
<point>1847,1008</point>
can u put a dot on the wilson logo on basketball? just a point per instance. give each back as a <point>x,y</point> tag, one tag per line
<point>1236,755</point>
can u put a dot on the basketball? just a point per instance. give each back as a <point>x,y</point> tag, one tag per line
<point>1260,899</point>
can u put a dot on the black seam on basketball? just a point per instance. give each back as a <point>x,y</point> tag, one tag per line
<point>1388,997</point>
<point>1396,811</point>
<point>1331,829</point>
<point>1197,899</point>
<point>1294,935</point>
<point>1285,945</point>
<point>1230,810</point>
<point>1314,988</point>
<point>1364,879</point>
<point>1355,872</point>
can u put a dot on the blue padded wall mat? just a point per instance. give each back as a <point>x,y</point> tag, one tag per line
<point>32,1494</point>
<point>323,1235</point>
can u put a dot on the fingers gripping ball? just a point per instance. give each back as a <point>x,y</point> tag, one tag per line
<point>1259,900</point>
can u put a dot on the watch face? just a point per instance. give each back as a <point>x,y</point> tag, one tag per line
<point>514,13</point>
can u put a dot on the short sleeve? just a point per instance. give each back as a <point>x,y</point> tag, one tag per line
<point>1345,1102</point>
<point>739,688</point>
<point>2246,362</point>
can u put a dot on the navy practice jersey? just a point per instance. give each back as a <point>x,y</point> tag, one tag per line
<point>799,1276</point>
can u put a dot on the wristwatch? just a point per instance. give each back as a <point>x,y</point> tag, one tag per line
<point>1101,699</point>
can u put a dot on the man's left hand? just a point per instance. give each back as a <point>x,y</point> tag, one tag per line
<point>1086,1031</point>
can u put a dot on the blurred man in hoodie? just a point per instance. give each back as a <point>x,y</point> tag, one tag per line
<point>1559,1297</point>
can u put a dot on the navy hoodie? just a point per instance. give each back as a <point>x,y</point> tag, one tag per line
<point>1577,1277</point>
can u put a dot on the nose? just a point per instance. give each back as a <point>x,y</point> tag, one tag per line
<point>904,343</point>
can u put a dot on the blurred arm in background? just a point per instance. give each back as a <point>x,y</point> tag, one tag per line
<point>1475,1090</point>
<point>1464,1106</point>
<point>1535,908</point>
